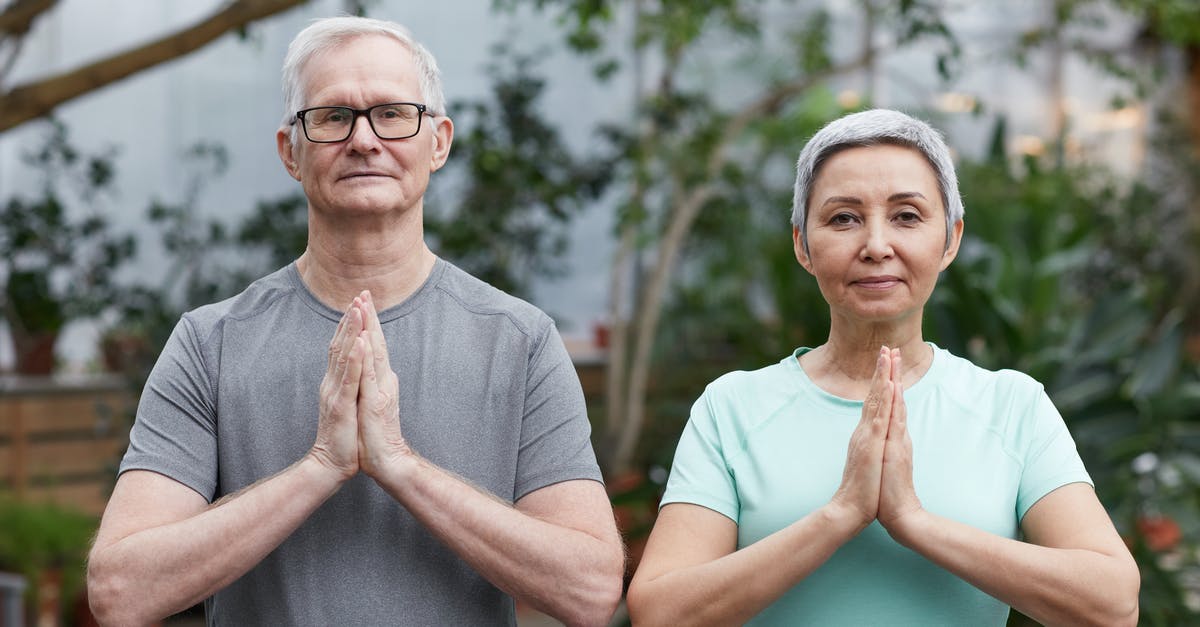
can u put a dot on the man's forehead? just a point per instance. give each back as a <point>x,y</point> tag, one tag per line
<point>365,62</point>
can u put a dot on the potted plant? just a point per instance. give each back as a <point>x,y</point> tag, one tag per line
<point>57,268</point>
<point>46,544</point>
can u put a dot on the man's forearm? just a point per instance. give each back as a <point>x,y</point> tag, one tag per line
<point>570,574</point>
<point>165,568</point>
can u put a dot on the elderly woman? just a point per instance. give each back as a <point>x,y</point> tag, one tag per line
<point>878,479</point>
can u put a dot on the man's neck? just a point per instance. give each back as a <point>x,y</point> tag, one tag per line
<point>392,261</point>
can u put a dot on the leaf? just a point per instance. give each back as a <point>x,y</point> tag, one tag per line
<point>1158,364</point>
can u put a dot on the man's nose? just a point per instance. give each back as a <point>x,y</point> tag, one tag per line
<point>362,136</point>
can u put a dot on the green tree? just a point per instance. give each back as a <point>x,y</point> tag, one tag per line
<point>520,186</point>
<point>678,158</point>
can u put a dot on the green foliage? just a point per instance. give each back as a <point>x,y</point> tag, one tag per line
<point>1057,278</point>
<point>1062,275</point>
<point>41,537</point>
<point>207,260</point>
<point>521,185</point>
<point>60,268</point>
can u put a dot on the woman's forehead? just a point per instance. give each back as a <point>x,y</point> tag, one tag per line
<point>882,167</point>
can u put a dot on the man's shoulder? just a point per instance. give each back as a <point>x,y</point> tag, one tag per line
<point>257,297</point>
<point>479,298</point>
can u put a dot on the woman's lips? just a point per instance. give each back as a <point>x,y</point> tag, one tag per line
<point>877,282</point>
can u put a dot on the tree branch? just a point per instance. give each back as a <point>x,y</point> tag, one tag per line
<point>682,217</point>
<point>32,100</point>
<point>18,16</point>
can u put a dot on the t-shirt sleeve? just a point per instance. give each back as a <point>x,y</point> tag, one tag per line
<point>556,441</point>
<point>699,472</point>
<point>175,431</point>
<point>1050,457</point>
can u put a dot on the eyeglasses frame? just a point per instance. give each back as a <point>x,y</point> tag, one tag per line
<point>422,111</point>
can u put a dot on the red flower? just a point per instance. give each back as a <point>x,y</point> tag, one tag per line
<point>1161,533</point>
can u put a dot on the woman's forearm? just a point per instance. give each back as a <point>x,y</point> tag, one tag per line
<point>736,587</point>
<point>1056,586</point>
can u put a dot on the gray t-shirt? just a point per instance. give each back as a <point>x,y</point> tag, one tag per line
<point>487,391</point>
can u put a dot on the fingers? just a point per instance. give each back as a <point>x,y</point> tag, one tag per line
<point>878,404</point>
<point>369,382</point>
<point>335,344</point>
<point>345,343</point>
<point>348,390</point>
<point>896,383</point>
<point>375,332</point>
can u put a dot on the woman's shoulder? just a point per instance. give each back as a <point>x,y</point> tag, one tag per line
<point>769,378</point>
<point>964,374</point>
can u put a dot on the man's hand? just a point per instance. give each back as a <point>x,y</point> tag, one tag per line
<point>861,478</point>
<point>897,497</point>
<point>336,445</point>
<point>379,437</point>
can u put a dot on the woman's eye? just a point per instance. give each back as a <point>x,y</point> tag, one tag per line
<point>842,219</point>
<point>908,216</point>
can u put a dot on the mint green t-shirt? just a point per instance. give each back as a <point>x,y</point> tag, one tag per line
<point>767,447</point>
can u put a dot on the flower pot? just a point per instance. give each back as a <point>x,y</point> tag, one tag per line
<point>35,352</point>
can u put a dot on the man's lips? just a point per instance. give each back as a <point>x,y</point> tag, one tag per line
<point>877,282</point>
<point>365,174</point>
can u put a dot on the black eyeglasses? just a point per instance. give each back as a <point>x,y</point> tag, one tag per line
<point>393,120</point>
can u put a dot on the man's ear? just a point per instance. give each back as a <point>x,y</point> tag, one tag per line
<point>798,247</point>
<point>283,142</point>
<point>443,136</point>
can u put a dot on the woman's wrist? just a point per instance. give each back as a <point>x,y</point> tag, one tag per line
<point>842,520</point>
<point>908,528</point>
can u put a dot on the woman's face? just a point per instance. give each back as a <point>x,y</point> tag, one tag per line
<point>876,233</point>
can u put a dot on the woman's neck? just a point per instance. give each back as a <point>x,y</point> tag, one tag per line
<point>844,364</point>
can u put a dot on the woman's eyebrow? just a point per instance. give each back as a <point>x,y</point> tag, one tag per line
<point>905,196</point>
<point>842,200</point>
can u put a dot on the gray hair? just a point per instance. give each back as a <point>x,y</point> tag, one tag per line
<point>329,32</point>
<point>871,128</point>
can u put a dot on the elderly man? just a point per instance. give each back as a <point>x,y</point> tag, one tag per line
<point>425,466</point>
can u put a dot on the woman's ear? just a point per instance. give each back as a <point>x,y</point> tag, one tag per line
<point>798,247</point>
<point>955,240</point>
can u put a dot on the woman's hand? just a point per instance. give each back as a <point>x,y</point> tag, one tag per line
<point>862,476</point>
<point>897,497</point>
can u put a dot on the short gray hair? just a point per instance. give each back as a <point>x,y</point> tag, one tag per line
<point>872,128</point>
<point>329,32</point>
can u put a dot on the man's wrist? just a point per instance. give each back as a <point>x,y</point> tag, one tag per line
<point>396,467</point>
<point>318,465</point>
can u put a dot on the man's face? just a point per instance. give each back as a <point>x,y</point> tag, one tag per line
<point>364,175</point>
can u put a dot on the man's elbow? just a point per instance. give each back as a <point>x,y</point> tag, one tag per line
<point>596,600</point>
<point>596,611</point>
<point>111,597</point>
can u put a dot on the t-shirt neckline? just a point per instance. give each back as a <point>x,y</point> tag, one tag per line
<point>927,380</point>
<point>406,306</point>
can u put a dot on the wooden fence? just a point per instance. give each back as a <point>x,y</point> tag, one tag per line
<point>61,438</point>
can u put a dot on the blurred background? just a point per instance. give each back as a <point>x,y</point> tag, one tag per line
<point>627,167</point>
